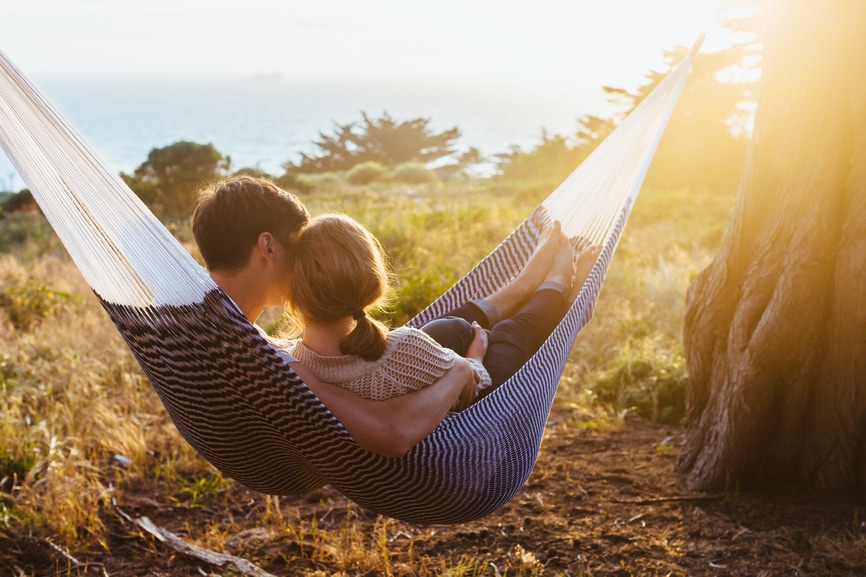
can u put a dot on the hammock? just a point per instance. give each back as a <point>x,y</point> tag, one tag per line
<point>238,404</point>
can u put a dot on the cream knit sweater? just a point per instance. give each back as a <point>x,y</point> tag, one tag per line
<point>411,361</point>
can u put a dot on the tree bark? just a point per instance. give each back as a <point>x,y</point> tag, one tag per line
<point>775,327</point>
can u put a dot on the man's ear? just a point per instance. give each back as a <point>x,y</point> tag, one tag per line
<point>265,246</point>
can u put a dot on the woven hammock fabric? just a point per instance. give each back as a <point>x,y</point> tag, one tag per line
<point>238,404</point>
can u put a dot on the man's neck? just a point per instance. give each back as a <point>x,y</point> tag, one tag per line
<point>245,292</point>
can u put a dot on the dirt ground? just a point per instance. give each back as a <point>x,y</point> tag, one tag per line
<point>599,502</point>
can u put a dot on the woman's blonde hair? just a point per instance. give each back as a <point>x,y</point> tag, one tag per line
<point>338,269</point>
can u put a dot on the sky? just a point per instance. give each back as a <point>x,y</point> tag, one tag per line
<point>598,42</point>
<point>565,49</point>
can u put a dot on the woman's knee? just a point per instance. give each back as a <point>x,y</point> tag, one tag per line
<point>452,333</point>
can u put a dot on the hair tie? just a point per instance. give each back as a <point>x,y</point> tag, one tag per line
<point>359,314</point>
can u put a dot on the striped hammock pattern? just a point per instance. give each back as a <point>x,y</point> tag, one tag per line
<point>238,404</point>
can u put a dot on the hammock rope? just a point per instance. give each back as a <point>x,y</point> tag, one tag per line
<point>223,385</point>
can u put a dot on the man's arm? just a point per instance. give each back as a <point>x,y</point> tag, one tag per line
<point>390,428</point>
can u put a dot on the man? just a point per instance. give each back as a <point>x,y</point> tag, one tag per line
<point>244,228</point>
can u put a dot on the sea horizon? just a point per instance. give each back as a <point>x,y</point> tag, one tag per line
<point>267,119</point>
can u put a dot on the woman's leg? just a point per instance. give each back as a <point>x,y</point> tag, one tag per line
<point>513,341</point>
<point>451,332</point>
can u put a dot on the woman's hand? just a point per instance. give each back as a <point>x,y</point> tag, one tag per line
<point>470,386</point>
<point>478,347</point>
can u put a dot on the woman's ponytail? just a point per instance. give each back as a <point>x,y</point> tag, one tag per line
<point>366,340</point>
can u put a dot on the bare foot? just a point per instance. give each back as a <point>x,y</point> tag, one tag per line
<point>585,261</point>
<point>512,296</point>
<point>563,265</point>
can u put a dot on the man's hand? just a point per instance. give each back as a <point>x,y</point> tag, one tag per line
<point>470,387</point>
<point>478,347</point>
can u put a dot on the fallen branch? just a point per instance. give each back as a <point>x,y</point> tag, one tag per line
<point>181,546</point>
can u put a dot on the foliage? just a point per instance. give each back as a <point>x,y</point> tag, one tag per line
<point>648,377</point>
<point>553,158</point>
<point>13,468</point>
<point>413,173</point>
<point>169,180</point>
<point>365,173</point>
<point>22,201</point>
<point>252,171</point>
<point>295,182</point>
<point>194,495</point>
<point>323,183</point>
<point>383,140</point>
<point>462,167</point>
<point>20,229</point>
<point>27,301</point>
<point>705,141</point>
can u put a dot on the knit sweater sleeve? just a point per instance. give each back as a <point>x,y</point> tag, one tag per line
<point>412,362</point>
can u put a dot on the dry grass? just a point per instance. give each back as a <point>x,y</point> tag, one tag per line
<point>73,401</point>
<point>79,424</point>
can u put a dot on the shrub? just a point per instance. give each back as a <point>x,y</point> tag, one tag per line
<point>26,302</point>
<point>649,378</point>
<point>13,469</point>
<point>418,288</point>
<point>26,229</point>
<point>252,171</point>
<point>171,176</point>
<point>326,182</point>
<point>294,182</point>
<point>414,173</point>
<point>365,173</point>
<point>20,202</point>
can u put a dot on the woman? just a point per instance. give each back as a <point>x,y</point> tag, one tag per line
<point>338,271</point>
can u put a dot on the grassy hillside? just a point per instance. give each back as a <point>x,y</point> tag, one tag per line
<point>80,424</point>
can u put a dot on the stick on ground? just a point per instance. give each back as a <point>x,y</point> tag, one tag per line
<point>181,546</point>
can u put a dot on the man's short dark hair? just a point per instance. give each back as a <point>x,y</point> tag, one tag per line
<point>229,218</point>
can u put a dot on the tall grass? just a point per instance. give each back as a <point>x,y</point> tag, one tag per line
<point>74,407</point>
<point>80,424</point>
<point>630,356</point>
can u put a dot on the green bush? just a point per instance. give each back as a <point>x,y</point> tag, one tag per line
<point>22,228</point>
<point>13,471</point>
<point>294,182</point>
<point>414,173</point>
<point>252,171</point>
<point>649,378</point>
<point>322,183</point>
<point>19,202</point>
<point>365,173</point>
<point>418,288</point>
<point>26,302</point>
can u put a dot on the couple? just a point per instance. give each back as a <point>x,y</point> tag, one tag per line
<point>262,249</point>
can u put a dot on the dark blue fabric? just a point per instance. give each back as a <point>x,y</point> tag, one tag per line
<point>511,342</point>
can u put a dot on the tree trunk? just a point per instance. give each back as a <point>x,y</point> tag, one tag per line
<point>775,327</point>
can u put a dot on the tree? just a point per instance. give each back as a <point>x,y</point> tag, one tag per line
<point>383,140</point>
<point>171,177</point>
<point>553,158</point>
<point>706,137</point>
<point>462,166</point>
<point>21,201</point>
<point>775,328</point>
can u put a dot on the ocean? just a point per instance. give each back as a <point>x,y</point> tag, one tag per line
<point>266,121</point>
